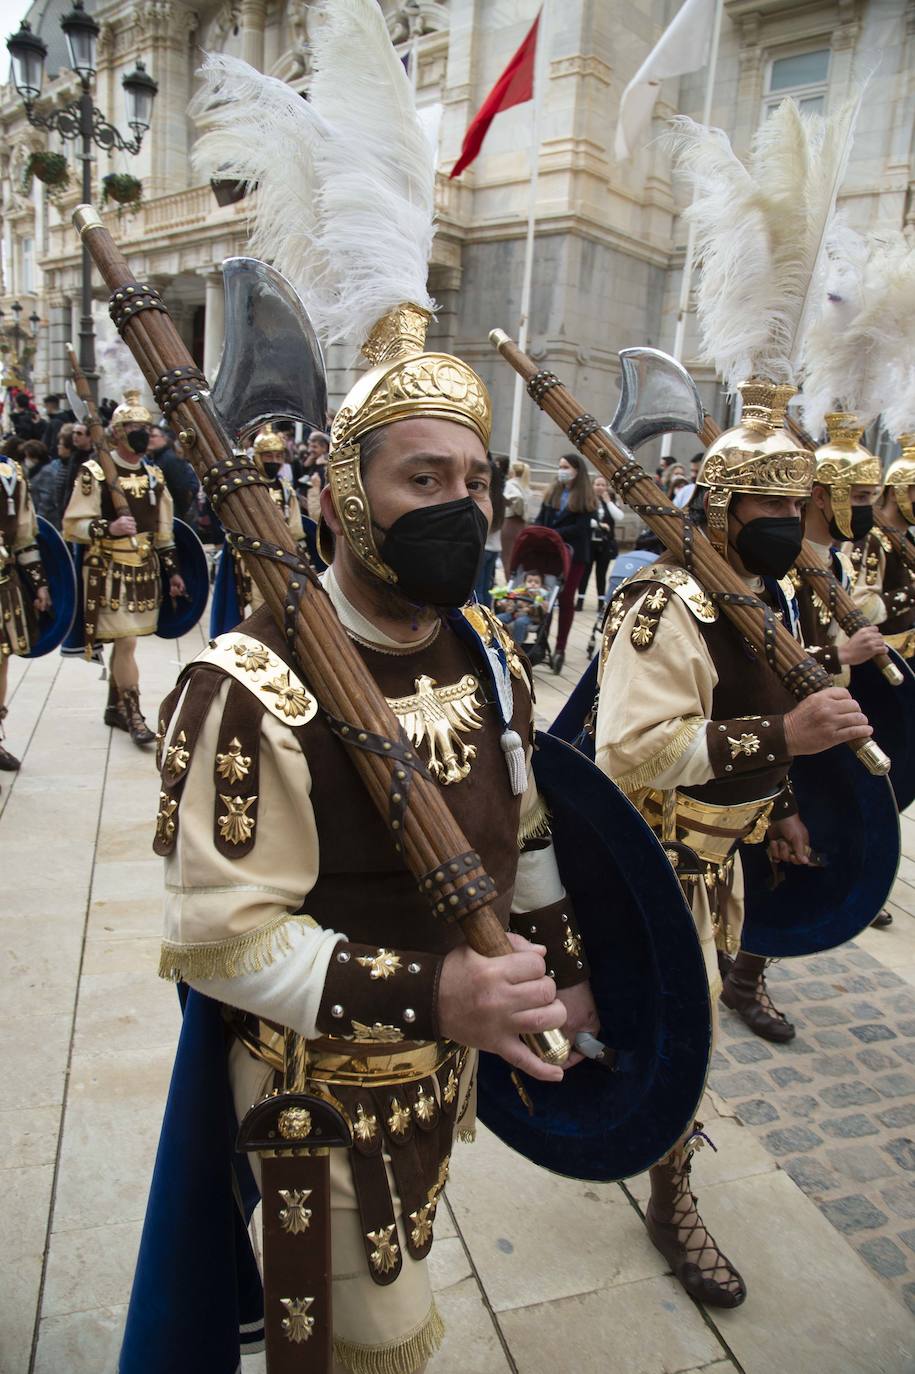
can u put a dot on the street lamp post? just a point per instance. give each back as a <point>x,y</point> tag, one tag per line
<point>82,120</point>
<point>13,338</point>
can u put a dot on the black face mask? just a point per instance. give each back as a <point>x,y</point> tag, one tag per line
<point>138,440</point>
<point>769,545</point>
<point>862,520</point>
<point>271,470</point>
<point>436,552</point>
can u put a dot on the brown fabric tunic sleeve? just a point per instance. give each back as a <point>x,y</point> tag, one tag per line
<point>746,745</point>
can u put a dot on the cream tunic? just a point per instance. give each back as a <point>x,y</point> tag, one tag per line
<point>651,732</point>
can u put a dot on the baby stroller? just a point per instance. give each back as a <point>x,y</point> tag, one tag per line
<point>543,551</point>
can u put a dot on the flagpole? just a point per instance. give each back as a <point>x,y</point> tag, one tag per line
<point>689,259</point>
<point>540,75</point>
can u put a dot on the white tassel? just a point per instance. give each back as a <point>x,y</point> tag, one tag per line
<point>513,749</point>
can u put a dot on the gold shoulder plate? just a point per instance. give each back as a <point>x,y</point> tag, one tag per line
<point>491,630</point>
<point>259,669</point>
<point>683,585</point>
<point>96,469</point>
<point>883,540</point>
<point>10,468</point>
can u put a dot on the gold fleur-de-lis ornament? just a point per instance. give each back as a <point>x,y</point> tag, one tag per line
<point>233,765</point>
<point>235,826</point>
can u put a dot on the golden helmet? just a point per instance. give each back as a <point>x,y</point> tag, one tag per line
<point>403,383</point>
<point>900,475</point>
<point>842,463</point>
<point>131,411</point>
<point>758,457</point>
<point>269,445</point>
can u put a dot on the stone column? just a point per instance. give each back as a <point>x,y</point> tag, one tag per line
<point>253,14</point>
<point>215,323</point>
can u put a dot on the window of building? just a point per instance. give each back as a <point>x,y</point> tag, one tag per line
<point>804,76</point>
<point>27,266</point>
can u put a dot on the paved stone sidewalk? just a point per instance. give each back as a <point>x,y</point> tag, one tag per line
<point>836,1106</point>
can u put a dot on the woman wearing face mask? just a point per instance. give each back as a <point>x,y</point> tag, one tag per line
<point>127,554</point>
<point>567,508</point>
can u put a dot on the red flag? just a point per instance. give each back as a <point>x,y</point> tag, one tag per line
<point>514,87</point>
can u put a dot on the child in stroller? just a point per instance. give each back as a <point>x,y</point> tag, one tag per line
<point>521,607</point>
<point>540,551</point>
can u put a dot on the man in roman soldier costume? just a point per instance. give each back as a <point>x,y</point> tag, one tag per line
<point>124,560</point>
<point>286,899</point>
<point>846,482</point>
<point>269,455</point>
<point>884,560</point>
<point>20,563</point>
<point>692,724</point>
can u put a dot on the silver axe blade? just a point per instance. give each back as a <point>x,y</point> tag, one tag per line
<point>76,403</point>
<point>272,366</point>
<point>657,396</point>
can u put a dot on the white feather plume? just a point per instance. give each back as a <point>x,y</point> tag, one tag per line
<point>345,199</point>
<point>865,332</point>
<point>760,234</point>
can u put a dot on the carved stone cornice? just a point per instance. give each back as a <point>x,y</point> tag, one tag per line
<point>582,65</point>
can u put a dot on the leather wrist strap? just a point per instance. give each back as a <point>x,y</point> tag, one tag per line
<point>746,745</point>
<point>555,926</point>
<point>390,990</point>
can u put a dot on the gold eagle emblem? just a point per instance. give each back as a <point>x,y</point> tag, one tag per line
<point>436,717</point>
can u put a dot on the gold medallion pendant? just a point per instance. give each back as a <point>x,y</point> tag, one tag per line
<point>435,718</point>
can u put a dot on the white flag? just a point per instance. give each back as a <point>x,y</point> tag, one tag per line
<point>683,47</point>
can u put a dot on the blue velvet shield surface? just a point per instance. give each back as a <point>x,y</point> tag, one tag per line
<point>649,982</point>
<point>53,625</point>
<point>891,711</point>
<point>225,612</point>
<point>177,617</point>
<point>569,724</point>
<point>854,826</point>
<point>196,1286</point>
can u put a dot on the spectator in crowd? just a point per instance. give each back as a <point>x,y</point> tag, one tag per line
<point>48,480</point>
<point>106,408</point>
<point>493,546</point>
<point>567,508</point>
<point>180,477</point>
<point>24,418</point>
<point>517,496</point>
<point>317,451</point>
<point>603,541</point>
<point>58,416</point>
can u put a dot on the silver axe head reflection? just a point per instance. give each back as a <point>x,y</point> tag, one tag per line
<point>657,396</point>
<point>272,366</point>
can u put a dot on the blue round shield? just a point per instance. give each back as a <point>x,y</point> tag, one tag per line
<point>648,979</point>
<point>854,835</point>
<point>54,624</point>
<point>891,711</point>
<point>176,618</point>
<point>225,612</point>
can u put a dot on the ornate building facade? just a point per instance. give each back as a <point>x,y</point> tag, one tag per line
<point>609,241</point>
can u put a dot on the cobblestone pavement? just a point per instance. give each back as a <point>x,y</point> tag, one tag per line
<point>836,1106</point>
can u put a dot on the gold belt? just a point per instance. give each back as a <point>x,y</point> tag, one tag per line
<point>350,1063</point>
<point>711,831</point>
<point>120,552</point>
